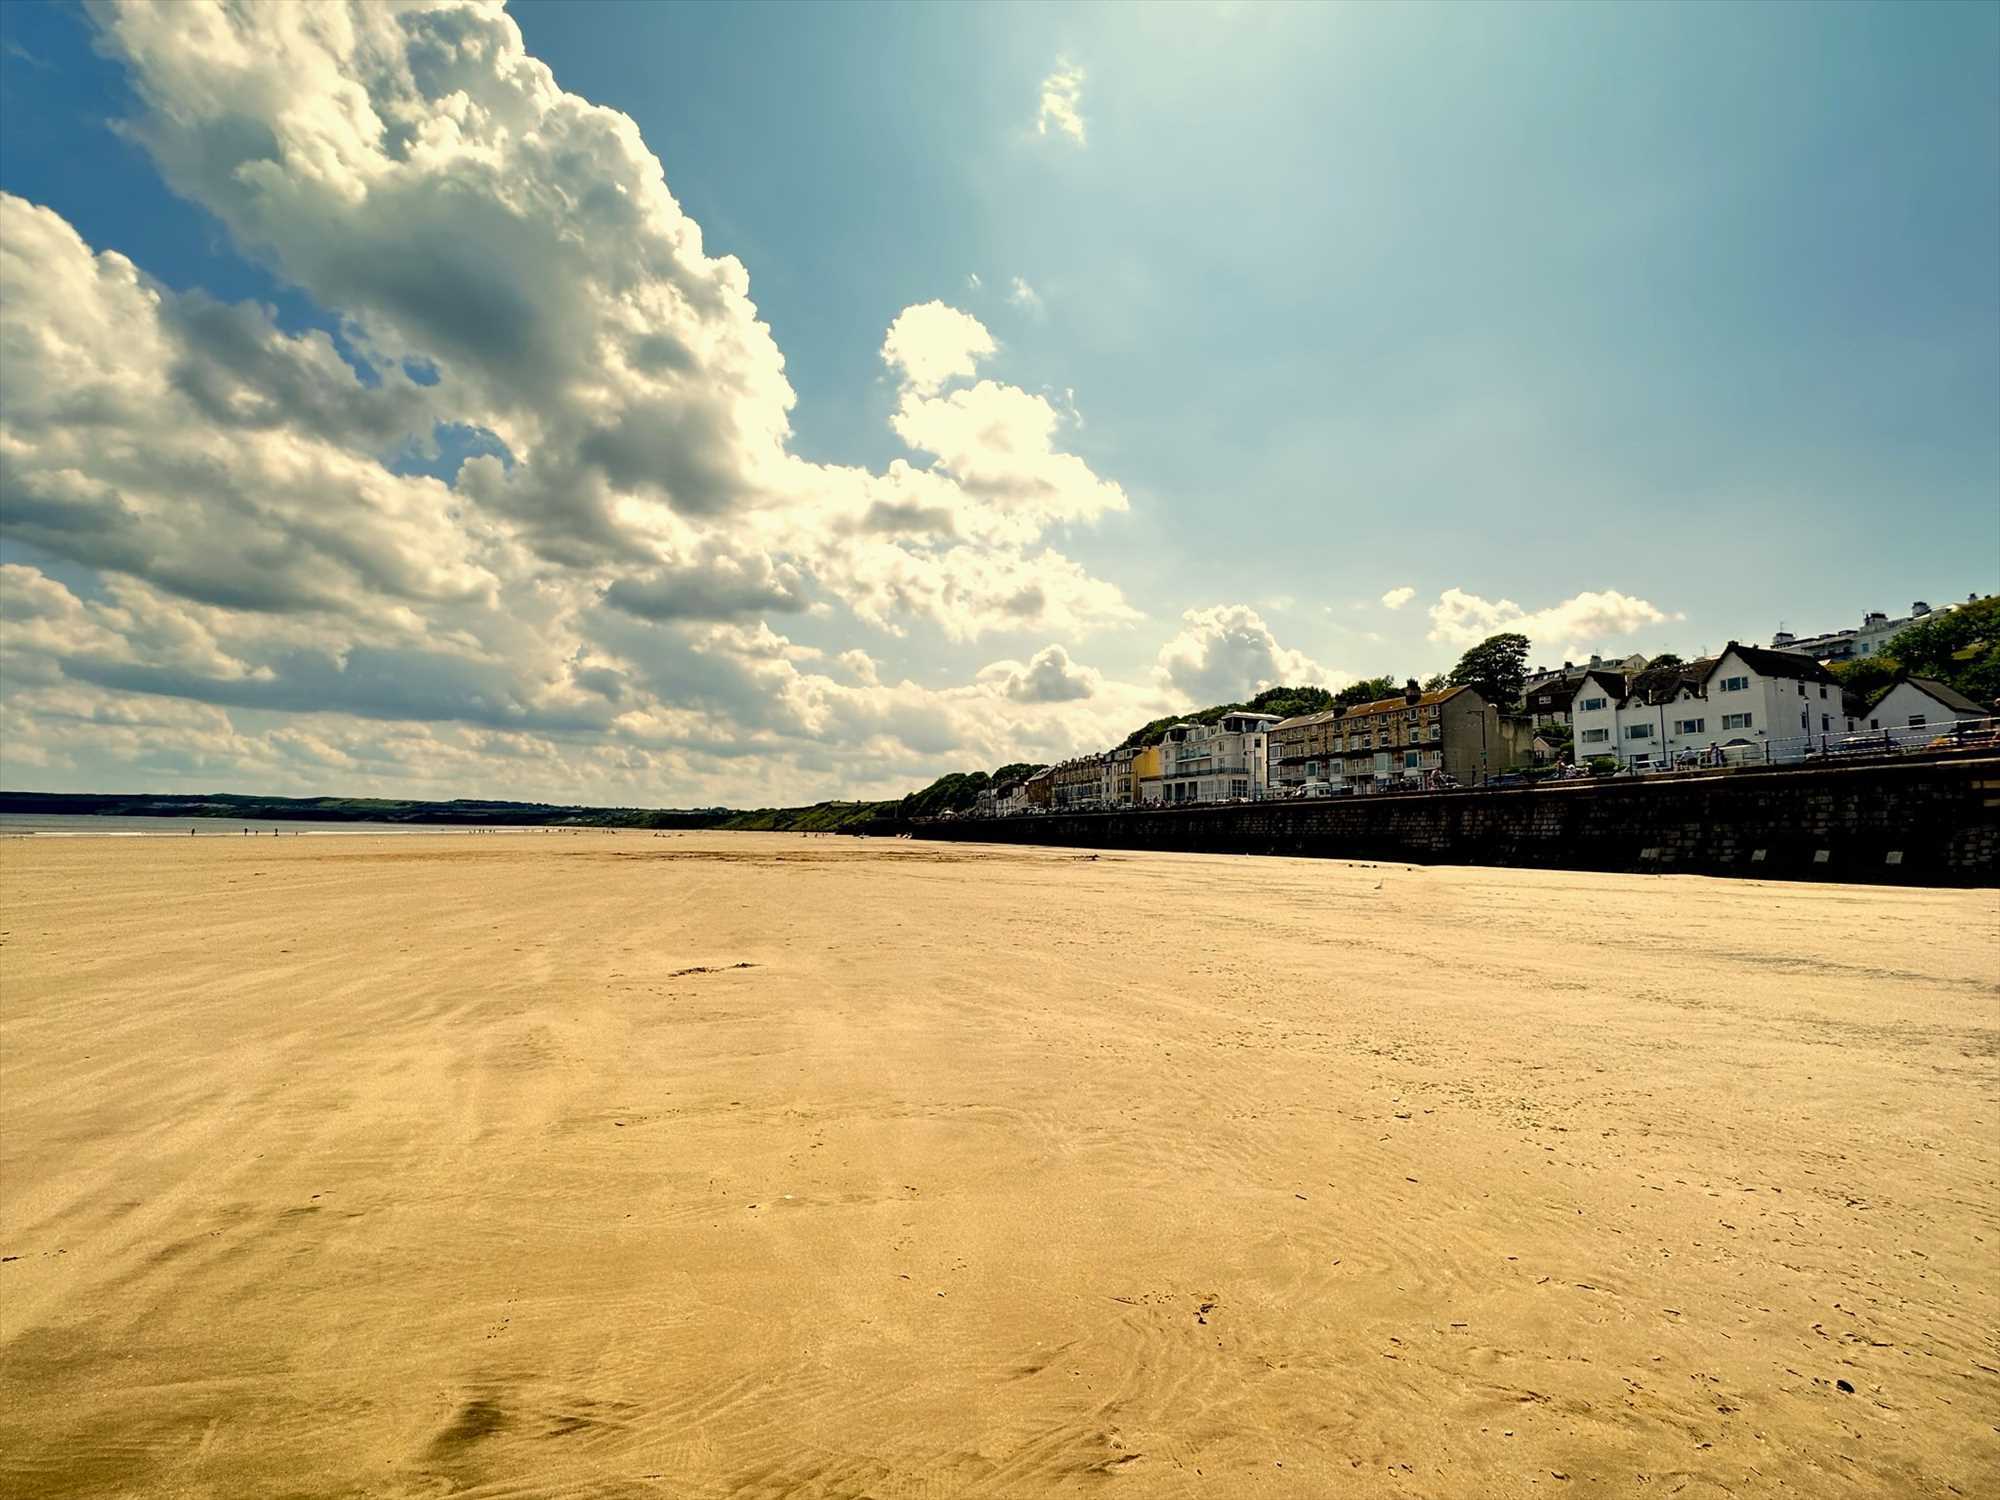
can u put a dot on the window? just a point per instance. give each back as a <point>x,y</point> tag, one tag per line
<point>1239,788</point>
<point>1802,690</point>
<point>1916,721</point>
<point>1592,705</point>
<point>1638,731</point>
<point>1825,723</point>
<point>1596,736</point>
<point>1805,719</point>
<point>1437,731</point>
<point>1736,721</point>
<point>1410,760</point>
<point>1690,726</point>
<point>1822,690</point>
<point>1735,684</point>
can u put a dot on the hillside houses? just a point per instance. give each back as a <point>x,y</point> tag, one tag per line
<point>1747,704</point>
<point>1919,703</point>
<point>1737,705</point>
<point>1416,738</point>
<point>1225,761</point>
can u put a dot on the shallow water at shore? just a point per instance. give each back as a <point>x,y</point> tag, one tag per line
<point>75,825</point>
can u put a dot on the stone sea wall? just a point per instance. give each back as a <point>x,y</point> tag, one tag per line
<point>1904,822</point>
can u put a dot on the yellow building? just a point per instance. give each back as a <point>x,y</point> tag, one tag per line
<point>1146,768</point>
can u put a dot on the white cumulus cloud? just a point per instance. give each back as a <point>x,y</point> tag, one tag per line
<point>931,343</point>
<point>1570,628</point>
<point>1397,598</point>
<point>1227,653</point>
<point>1049,676</point>
<point>1061,109</point>
<point>580,610</point>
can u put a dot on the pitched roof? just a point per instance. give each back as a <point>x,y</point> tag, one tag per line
<point>1299,721</point>
<point>1950,697</point>
<point>1385,705</point>
<point>1689,676</point>
<point>1614,682</point>
<point>1557,691</point>
<point>1789,665</point>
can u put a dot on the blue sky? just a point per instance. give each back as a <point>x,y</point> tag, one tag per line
<point>1642,327</point>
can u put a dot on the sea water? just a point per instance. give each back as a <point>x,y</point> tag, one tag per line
<point>70,825</point>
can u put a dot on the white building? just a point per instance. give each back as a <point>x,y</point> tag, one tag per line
<point>1593,713</point>
<point>1869,638</point>
<point>1570,671</point>
<point>1748,703</point>
<point>1217,762</point>
<point>1919,703</point>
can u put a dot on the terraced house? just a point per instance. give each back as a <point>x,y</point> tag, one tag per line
<point>1218,762</point>
<point>1749,702</point>
<point>1305,748</point>
<point>1146,783</point>
<point>1121,784</point>
<point>1078,783</point>
<point>1453,731</point>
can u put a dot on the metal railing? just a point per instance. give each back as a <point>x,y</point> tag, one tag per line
<point>1793,750</point>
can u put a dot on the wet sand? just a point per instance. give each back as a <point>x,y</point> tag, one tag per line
<point>746,1165</point>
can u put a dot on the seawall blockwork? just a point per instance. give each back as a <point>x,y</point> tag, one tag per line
<point>1901,823</point>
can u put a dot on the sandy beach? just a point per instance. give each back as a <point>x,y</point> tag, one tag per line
<point>751,1165</point>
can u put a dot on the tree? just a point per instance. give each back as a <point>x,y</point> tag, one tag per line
<point>1958,647</point>
<point>1289,702</point>
<point>1661,673</point>
<point>1437,682</point>
<point>1497,667</point>
<point>1285,702</point>
<point>1867,677</point>
<point>1368,690</point>
<point>954,792</point>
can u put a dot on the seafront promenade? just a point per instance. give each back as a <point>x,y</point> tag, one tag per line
<point>1932,821</point>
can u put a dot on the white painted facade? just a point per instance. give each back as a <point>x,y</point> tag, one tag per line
<point>1783,711</point>
<point>1907,705</point>
<point>1870,638</point>
<point>1737,709</point>
<point>1593,715</point>
<point>1229,759</point>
